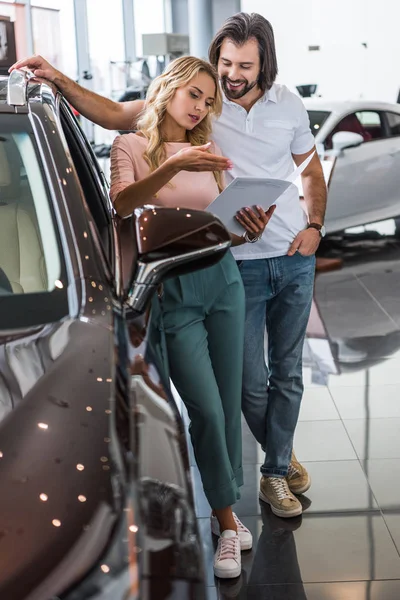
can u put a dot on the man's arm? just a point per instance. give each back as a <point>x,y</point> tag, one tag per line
<point>314,187</point>
<point>96,108</point>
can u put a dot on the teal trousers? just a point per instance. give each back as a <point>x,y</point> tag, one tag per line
<point>203,324</point>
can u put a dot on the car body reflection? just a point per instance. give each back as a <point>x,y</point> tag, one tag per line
<point>356,317</point>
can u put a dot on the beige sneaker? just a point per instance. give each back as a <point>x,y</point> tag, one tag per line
<point>298,479</point>
<point>275,491</point>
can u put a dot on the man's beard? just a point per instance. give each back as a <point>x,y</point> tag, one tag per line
<point>233,94</point>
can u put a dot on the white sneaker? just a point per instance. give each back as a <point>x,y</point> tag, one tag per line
<point>227,559</point>
<point>245,537</point>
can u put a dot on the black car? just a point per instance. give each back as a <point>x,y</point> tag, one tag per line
<point>95,493</point>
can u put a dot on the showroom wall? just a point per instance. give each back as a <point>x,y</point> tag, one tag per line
<point>358,40</point>
<point>150,17</point>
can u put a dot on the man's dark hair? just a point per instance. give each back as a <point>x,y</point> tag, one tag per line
<point>241,28</point>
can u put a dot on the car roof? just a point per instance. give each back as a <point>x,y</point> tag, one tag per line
<point>348,106</point>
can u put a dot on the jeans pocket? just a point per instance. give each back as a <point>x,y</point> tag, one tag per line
<point>305,264</point>
<point>305,261</point>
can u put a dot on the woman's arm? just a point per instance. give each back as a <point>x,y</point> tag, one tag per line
<point>140,192</point>
<point>127,194</point>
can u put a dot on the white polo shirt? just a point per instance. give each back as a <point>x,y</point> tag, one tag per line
<point>260,144</point>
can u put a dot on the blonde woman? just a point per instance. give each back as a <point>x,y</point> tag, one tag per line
<point>170,162</point>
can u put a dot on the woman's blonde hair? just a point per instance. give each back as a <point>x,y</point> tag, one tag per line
<point>161,91</point>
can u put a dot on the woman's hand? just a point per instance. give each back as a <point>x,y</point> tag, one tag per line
<point>254,222</point>
<point>197,158</point>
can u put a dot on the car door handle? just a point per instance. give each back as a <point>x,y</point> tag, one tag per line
<point>395,152</point>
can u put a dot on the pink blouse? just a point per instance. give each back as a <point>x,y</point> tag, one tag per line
<point>187,189</point>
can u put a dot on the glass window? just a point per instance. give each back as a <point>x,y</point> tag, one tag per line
<point>371,124</point>
<point>366,123</point>
<point>149,18</point>
<point>46,29</point>
<point>33,282</point>
<point>29,254</point>
<point>394,123</point>
<point>107,55</point>
<point>317,119</point>
<point>106,46</point>
<point>53,28</point>
<point>369,118</point>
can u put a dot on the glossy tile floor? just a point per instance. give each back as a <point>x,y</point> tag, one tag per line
<point>346,546</point>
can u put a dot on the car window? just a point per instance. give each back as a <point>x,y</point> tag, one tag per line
<point>29,251</point>
<point>394,123</point>
<point>371,122</point>
<point>317,119</point>
<point>31,262</point>
<point>368,124</point>
<point>369,118</point>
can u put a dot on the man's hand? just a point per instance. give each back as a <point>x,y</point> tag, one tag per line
<point>38,65</point>
<point>306,242</point>
<point>255,222</point>
<point>96,108</point>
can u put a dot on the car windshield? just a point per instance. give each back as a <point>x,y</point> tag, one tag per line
<point>31,265</point>
<point>317,119</point>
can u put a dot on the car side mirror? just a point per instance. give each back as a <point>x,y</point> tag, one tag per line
<point>346,139</point>
<point>171,242</point>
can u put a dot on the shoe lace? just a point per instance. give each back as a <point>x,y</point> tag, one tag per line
<point>280,487</point>
<point>227,548</point>
<point>239,524</point>
<point>292,471</point>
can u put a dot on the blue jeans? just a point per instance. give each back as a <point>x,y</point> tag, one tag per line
<point>278,298</point>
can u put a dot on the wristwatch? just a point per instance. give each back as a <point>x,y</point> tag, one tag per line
<point>249,239</point>
<point>318,227</point>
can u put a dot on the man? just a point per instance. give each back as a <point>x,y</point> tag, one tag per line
<point>263,129</point>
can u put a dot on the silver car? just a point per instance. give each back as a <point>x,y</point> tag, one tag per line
<point>365,139</point>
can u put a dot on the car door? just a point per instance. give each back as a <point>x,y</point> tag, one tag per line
<point>393,130</point>
<point>94,187</point>
<point>364,187</point>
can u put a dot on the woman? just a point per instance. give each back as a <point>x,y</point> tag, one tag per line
<point>169,163</point>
